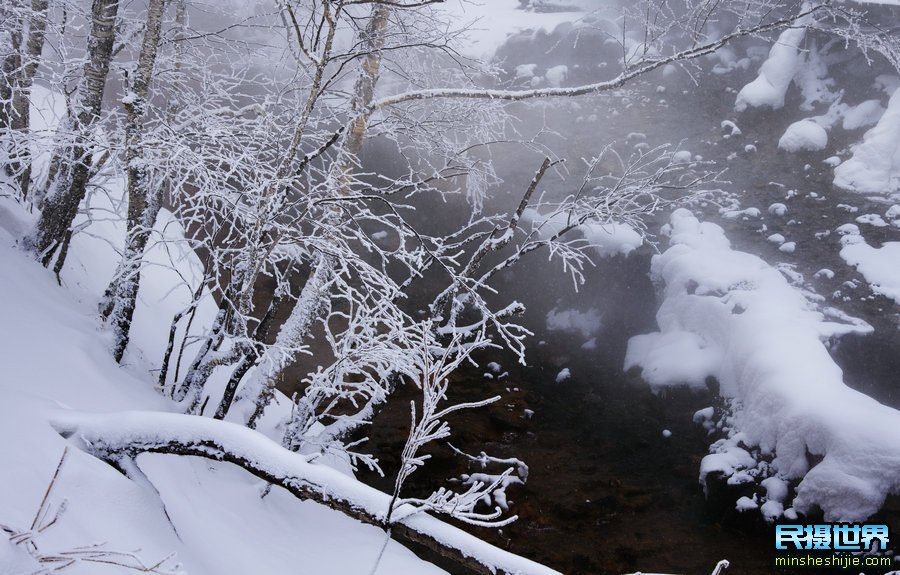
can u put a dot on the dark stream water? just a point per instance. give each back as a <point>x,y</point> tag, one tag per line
<point>607,492</point>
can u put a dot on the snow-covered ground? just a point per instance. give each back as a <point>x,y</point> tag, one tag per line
<point>209,515</point>
<point>196,517</point>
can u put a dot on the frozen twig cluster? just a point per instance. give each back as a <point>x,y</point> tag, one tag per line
<point>55,561</point>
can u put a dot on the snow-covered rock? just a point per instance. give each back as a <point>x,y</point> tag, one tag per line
<point>803,136</point>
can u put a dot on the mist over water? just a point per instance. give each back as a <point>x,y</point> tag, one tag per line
<point>608,480</point>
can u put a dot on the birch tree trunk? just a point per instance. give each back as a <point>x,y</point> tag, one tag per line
<point>20,159</point>
<point>143,201</point>
<point>73,153</point>
<point>11,39</point>
<point>313,301</point>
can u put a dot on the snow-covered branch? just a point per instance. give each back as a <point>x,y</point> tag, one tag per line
<point>128,434</point>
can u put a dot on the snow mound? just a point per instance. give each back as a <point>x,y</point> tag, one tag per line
<point>763,340</point>
<point>587,323</point>
<point>803,136</point>
<point>608,238</point>
<point>865,114</point>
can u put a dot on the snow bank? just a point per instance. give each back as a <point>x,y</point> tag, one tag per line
<point>875,164</point>
<point>880,266</point>
<point>777,72</point>
<point>728,314</point>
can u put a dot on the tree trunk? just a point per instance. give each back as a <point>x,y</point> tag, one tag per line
<point>314,297</point>
<point>364,93</point>
<point>20,159</point>
<point>250,358</point>
<point>143,201</point>
<point>73,157</point>
<point>312,303</point>
<point>14,24</point>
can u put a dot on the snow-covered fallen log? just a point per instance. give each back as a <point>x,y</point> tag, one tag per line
<point>120,437</point>
<point>730,315</point>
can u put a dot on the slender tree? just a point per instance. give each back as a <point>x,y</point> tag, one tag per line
<point>73,151</point>
<point>20,160</point>
<point>143,195</point>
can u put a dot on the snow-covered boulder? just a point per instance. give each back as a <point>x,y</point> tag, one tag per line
<point>803,136</point>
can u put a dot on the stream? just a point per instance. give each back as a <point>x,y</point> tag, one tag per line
<point>607,490</point>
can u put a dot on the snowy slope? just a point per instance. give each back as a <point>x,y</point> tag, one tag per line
<point>55,357</point>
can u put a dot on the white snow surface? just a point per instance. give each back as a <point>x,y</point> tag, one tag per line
<point>730,315</point>
<point>55,359</point>
<point>777,72</point>
<point>803,136</point>
<point>880,266</point>
<point>206,517</point>
<point>874,167</point>
<point>864,114</point>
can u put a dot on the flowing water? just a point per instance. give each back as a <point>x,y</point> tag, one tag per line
<point>607,490</point>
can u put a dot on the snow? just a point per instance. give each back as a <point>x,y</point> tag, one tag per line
<point>732,127</point>
<point>682,157</point>
<point>525,70</point>
<point>587,323</point>
<point>746,504</point>
<point>874,167</point>
<point>563,375</point>
<point>787,247</point>
<point>556,75</point>
<point>803,136</point>
<point>862,115</point>
<point>608,239</point>
<point>496,20</point>
<point>880,266</point>
<point>776,73</point>
<point>762,340</point>
<point>777,209</point>
<point>223,527</point>
<point>612,238</point>
<point>671,359</point>
<point>745,213</point>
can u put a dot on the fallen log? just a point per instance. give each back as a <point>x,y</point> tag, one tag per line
<point>120,437</point>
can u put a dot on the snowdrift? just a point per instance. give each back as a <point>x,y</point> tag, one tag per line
<point>730,315</point>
